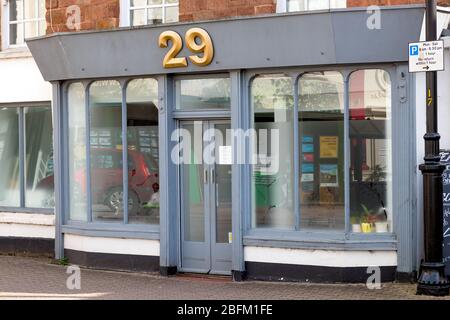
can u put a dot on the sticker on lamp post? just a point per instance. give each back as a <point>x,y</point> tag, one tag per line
<point>426,56</point>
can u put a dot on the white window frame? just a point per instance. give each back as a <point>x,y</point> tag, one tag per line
<point>282,5</point>
<point>5,25</point>
<point>125,10</point>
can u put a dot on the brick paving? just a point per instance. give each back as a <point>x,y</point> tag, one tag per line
<point>37,278</point>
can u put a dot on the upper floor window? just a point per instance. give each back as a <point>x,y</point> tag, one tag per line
<point>23,19</point>
<point>144,12</point>
<point>308,5</point>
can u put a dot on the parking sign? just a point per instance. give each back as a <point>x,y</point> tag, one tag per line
<point>426,56</point>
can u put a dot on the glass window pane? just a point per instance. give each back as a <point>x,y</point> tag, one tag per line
<point>209,93</point>
<point>9,157</point>
<point>192,180</point>
<point>39,191</point>
<point>138,17</point>
<point>42,27</point>
<point>171,14</point>
<point>171,1</point>
<point>370,151</point>
<point>30,9</point>
<point>106,151</point>
<point>321,148</point>
<point>154,2</point>
<point>143,151</point>
<point>273,177</point>
<point>77,152</point>
<point>154,16</point>
<point>15,10</point>
<point>41,14</point>
<point>138,3</point>
<point>16,35</point>
<point>31,29</point>
<point>318,4</point>
<point>296,5</point>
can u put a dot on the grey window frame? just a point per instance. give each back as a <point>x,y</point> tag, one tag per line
<point>22,208</point>
<point>90,227</point>
<point>323,239</point>
<point>404,178</point>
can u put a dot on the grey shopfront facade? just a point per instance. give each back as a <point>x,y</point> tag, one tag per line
<point>333,44</point>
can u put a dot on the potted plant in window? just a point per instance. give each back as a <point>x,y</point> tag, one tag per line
<point>382,225</point>
<point>356,224</point>
<point>367,220</point>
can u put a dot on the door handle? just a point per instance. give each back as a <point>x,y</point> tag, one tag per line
<point>205,176</point>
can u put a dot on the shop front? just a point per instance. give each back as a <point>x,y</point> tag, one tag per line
<point>250,147</point>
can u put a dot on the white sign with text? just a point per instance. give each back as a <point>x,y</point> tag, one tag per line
<point>426,56</point>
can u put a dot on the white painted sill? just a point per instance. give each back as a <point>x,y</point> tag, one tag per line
<point>27,218</point>
<point>16,53</point>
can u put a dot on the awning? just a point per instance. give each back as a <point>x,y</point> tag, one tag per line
<point>333,37</point>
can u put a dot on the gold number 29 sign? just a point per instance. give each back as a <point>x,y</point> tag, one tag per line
<point>202,45</point>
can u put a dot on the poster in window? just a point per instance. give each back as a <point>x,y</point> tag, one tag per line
<point>328,147</point>
<point>308,157</point>
<point>307,177</point>
<point>307,187</point>
<point>306,147</point>
<point>307,168</point>
<point>329,175</point>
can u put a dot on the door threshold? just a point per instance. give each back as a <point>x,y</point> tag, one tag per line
<point>204,277</point>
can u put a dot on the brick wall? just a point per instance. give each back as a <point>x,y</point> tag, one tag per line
<point>95,14</point>
<point>104,14</point>
<point>194,10</point>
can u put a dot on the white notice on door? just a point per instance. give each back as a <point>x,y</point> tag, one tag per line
<point>225,155</point>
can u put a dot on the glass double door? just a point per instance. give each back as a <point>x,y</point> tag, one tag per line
<point>205,176</point>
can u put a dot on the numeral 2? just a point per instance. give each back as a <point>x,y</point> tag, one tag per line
<point>170,60</point>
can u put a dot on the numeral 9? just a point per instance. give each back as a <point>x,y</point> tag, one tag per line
<point>204,47</point>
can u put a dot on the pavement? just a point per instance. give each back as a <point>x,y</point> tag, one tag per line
<point>40,278</point>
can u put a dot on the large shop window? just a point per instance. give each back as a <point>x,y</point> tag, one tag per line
<point>370,151</point>
<point>26,18</point>
<point>321,130</point>
<point>319,172</point>
<point>144,12</point>
<point>97,184</point>
<point>273,174</point>
<point>26,157</point>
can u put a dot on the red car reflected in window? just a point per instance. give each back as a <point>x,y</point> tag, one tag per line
<point>107,179</point>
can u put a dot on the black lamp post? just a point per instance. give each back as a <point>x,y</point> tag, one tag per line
<point>432,280</point>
